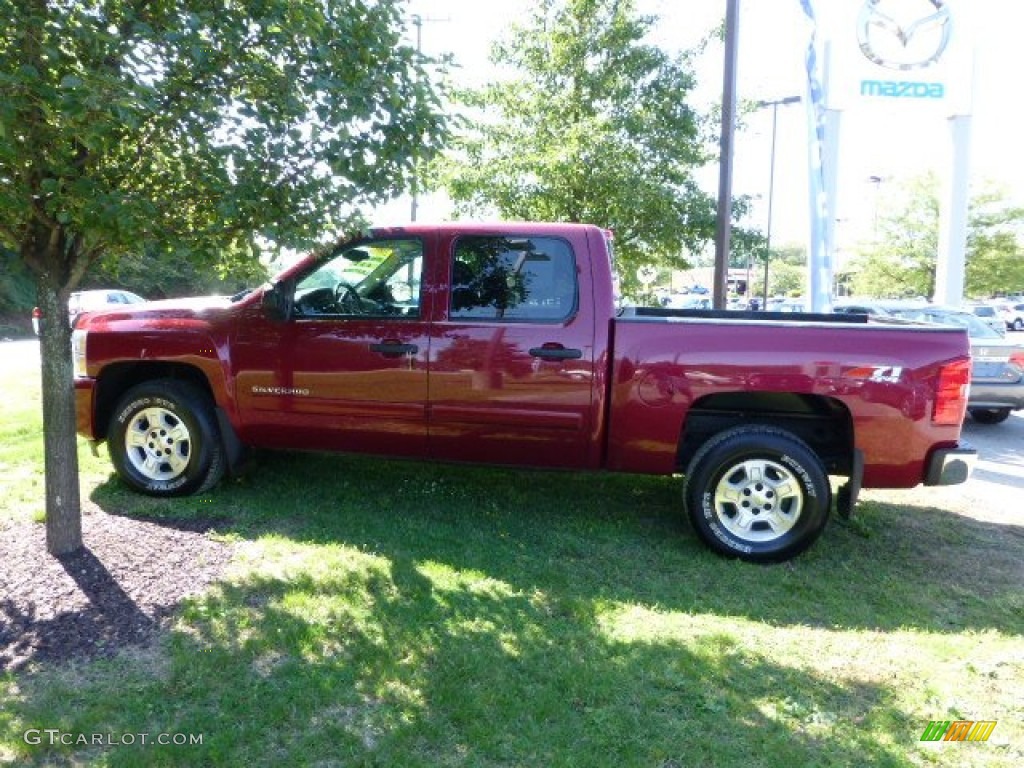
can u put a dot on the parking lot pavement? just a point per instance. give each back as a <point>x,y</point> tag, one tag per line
<point>996,487</point>
<point>999,475</point>
<point>19,356</point>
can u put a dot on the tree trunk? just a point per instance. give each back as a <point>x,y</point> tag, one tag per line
<point>63,500</point>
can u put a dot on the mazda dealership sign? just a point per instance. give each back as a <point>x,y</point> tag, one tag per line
<point>907,41</point>
<point>898,51</point>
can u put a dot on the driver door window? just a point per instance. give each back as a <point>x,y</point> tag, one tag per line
<point>377,279</point>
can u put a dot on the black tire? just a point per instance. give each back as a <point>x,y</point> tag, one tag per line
<point>757,493</point>
<point>164,441</point>
<point>990,415</point>
<point>1018,324</point>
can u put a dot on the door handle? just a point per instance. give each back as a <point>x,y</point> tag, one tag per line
<point>394,349</point>
<point>556,352</point>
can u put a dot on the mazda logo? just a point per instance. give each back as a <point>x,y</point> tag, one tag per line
<point>904,34</point>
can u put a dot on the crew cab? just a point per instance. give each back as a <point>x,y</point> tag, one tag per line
<point>502,343</point>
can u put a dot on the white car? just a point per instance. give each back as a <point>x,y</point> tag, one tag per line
<point>1012,313</point>
<point>90,301</point>
<point>989,315</point>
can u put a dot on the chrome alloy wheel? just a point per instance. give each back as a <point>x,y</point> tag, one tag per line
<point>158,444</point>
<point>758,500</point>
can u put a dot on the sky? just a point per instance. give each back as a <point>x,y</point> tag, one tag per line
<point>877,148</point>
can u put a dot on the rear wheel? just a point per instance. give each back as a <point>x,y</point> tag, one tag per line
<point>757,493</point>
<point>990,415</point>
<point>164,441</point>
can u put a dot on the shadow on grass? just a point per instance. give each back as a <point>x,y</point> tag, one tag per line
<point>411,614</point>
<point>384,661</point>
<point>585,538</point>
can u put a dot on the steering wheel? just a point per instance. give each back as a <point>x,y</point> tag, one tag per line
<point>347,299</point>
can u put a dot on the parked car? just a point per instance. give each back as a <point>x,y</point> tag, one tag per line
<point>792,305</point>
<point>989,315</point>
<point>860,308</point>
<point>502,343</point>
<point>997,371</point>
<point>876,307</point>
<point>89,301</point>
<point>1012,313</point>
<point>684,301</point>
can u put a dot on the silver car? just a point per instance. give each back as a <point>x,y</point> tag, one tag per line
<point>997,372</point>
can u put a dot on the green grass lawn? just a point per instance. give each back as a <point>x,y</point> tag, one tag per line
<point>386,613</point>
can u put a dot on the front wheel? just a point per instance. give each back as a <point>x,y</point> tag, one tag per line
<point>990,415</point>
<point>164,441</point>
<point>757,493</point>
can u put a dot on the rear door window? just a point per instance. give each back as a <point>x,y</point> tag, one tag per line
<point>513,279</point>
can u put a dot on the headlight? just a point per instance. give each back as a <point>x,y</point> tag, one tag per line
<point>78,352</point>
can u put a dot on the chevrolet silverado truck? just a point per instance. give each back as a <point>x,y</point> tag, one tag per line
<point>503,344</point>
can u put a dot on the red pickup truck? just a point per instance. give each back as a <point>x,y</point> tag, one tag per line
<point>502,343</point>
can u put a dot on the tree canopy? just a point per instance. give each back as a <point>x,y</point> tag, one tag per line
<point>592,125</point>
<point>201,122</point>
<point>189,128</point>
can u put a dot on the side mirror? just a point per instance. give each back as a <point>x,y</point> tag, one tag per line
<point>278,301</point>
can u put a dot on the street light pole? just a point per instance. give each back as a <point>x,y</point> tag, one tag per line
<point>877,181</point>
<point>775,104</point>
<point>725,152</point>
<point>417,21</point>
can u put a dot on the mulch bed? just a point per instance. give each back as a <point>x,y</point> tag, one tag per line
<point>120,589</point>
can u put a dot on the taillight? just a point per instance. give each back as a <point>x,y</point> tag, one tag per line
<point>952,392</point>
<point>1017,358</point>
<point>36,313</point>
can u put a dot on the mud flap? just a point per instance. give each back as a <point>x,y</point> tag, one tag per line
<point>235,451</point>
<point>846,499</point>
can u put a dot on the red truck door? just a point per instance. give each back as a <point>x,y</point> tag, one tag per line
<point>348,370</point>
<point>512,351</point>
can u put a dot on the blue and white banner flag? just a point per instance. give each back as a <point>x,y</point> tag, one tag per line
<point>819,260</point>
